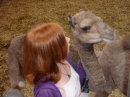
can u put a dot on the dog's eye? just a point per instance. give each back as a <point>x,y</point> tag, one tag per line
<point>86,28</point>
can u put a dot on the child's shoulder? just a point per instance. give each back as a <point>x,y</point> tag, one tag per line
<point>46,88</point>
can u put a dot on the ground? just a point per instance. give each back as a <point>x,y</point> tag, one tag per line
<point>18,16</point>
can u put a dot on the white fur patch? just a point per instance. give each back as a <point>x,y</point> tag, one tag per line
<point>21,84</point>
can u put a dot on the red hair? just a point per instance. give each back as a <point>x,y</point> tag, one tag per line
<point>43,47</point>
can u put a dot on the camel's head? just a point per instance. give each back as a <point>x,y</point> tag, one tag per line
<point>88,28</point>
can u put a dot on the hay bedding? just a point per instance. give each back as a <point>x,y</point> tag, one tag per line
<point>18,16</point>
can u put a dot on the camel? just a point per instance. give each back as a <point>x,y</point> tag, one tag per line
<point>117,64</point>
<point>111,68</point>
<point>13,60</point>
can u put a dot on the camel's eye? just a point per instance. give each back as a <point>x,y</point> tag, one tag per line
<point>86,28</point>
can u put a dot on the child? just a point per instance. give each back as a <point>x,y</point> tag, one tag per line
<point>46,65</point>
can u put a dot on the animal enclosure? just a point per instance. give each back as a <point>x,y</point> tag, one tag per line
<point>18,16</point>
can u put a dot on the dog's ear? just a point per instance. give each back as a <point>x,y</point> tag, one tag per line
<point>71,20</point>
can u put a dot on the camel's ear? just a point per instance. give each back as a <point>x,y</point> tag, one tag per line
<point>71,20</point>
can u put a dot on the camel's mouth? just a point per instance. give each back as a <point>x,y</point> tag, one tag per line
<point>93,41</point>
<point>110,39</point>
<point>107,40</point>
<point>98,40</point>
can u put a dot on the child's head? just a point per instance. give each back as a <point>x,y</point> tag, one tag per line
<point>43,47</point>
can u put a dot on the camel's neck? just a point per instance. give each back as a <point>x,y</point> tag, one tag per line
<point>86,51</point>
<point>91,65</point>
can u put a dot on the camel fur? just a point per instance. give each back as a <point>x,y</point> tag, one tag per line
<point>115,62</point>
<point>111,69</point>
<point>87,30</point>
<point>13,61</point>
<point>12,92</point>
